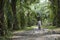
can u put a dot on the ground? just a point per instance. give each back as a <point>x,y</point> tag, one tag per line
<point>35,34</point>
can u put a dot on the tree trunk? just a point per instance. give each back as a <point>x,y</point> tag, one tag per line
<point>58,14</point>
<point>14,14</point>
<point>1,17</point>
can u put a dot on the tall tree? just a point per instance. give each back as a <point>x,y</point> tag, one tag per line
<point>58,13</point>
<point>13,4</point>
<point>54,11</point>
<point>1,17</point>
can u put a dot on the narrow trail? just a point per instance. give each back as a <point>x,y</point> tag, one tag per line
<point>36,34</point>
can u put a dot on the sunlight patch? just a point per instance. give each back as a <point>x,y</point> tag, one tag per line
<point>41,1</point>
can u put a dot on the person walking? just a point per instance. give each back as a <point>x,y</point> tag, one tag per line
<point>39,22</point>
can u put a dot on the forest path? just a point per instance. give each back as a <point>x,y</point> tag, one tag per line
<point>35,34</point>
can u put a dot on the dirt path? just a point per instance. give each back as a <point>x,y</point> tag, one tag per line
<point>36,34</point>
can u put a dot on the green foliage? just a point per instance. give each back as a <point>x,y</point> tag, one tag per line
<point>24,12</point>
<point>43,10</point>
<point>49,27</point>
